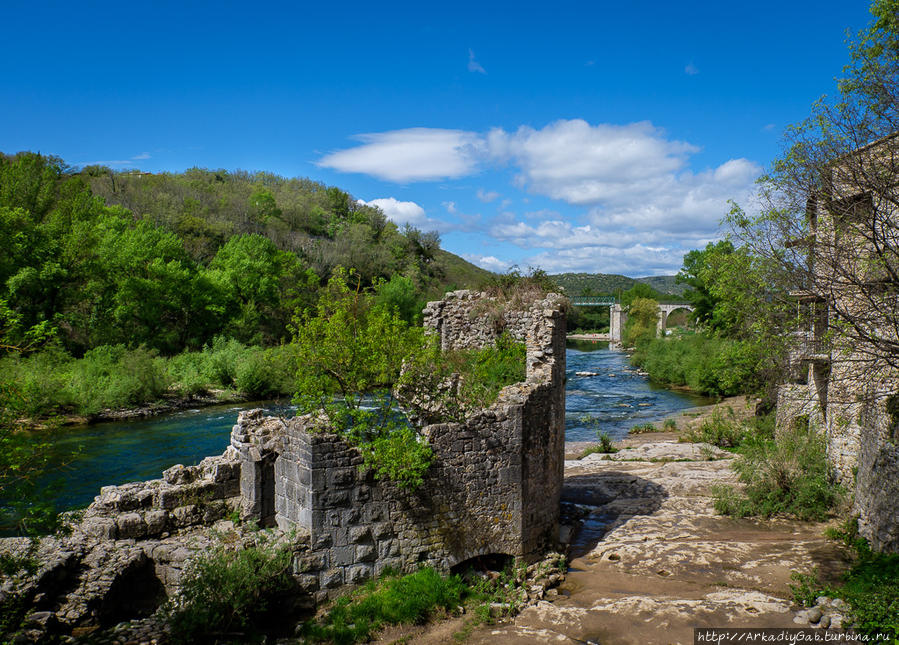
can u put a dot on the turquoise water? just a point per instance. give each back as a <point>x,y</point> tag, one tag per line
<point>120,452</point>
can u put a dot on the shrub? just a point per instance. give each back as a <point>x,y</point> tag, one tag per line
<point>111,376</point>
<point>719,429</point>
<point>786,476</point>
<point>227,594</point>
<point>41,380</point>
<point>392,600</point>
<point>705,364</point>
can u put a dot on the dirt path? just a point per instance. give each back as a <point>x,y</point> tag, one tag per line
<point>653,560</point>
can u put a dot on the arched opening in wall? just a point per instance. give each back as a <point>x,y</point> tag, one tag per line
<point>679,318</point>
<point>483,565</point>
<point>135,593</point>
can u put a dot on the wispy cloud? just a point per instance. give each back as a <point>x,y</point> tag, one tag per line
<point>474,65</point>
<point>118,162</point>
<point>691,69</point>
<point>487,196</point>
<point>414,154</point>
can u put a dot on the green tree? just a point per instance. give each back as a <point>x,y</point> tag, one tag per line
<point>696,274</point>
<point>263,284</point>
<point>642,317</point>
<point>349,350</point>
<point>639,290</point>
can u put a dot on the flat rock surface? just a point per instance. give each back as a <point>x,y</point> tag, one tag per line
<point>653,560</point>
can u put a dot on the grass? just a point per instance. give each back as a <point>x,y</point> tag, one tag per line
<point>392,600</point>
<point>603,447</point>
<point>643,428</point>
<point>669,425</point>
<point>870,586</point>
<point>416,598</point>
<point>788,476</point>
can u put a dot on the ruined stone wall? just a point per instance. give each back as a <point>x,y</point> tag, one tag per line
<point>186,496</point>
<point>493,487</point>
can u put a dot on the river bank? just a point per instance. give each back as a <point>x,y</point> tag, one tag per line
<point>651,559</point>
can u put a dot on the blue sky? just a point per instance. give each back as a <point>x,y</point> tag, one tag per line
<point>595,136</point>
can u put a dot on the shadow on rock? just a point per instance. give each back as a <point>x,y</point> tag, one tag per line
<point>607,500</point>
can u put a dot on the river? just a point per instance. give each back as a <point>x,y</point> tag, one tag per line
<point>617,398</point>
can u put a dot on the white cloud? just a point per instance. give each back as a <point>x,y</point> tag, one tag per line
<point>487,196</point>
<point>413,154</point>
<point>399,212</point>
<point>635,260</point>
<point>632,185</point>
<point>488,262</point>
<point>583,164</point>
<point>474,65</point>
<point>691,69</point>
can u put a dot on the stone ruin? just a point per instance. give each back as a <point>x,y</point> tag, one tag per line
<point>493,489</point>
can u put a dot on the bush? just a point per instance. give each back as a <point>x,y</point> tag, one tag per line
<point>111,376</point>
<point>705,364</point>
<point>231,595</point>
<point>41,380</point>
<point>719,429</point>
<point>392,600</point>
<point>603,447</point>
<point>787,476</point>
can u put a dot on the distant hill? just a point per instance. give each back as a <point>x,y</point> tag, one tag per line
<point>576,284</point>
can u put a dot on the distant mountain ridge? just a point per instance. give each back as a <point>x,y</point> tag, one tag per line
<point>576,284</point>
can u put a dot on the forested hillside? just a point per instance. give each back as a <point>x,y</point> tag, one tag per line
<point>170,261</point>
<point>577,284</point>
<point>123,289</point>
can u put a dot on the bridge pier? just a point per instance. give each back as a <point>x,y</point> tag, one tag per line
<point>617,321</point>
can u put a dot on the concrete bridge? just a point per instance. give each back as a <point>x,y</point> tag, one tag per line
<point>618,317</point>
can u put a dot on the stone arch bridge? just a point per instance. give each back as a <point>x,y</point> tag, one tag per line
<point>618,316</point>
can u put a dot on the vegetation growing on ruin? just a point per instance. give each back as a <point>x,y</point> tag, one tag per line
<point>391,600</point>
<point>358,360</point>
<point>232,595</point>
<point>449,385</point>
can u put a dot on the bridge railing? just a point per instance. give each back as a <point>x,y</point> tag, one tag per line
<point>593,301</point>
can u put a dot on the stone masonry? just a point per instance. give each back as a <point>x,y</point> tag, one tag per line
<point>493,487</point>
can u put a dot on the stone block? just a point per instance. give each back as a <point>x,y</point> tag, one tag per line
<point>130,525</point>
<point>341,556</point>
<point>366,553</point>
<point>359,573</point>
<point>331,578</point>
<point>156,522</point>
<point>360,534</point>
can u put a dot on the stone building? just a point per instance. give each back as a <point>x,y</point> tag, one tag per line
<point>844,379</point>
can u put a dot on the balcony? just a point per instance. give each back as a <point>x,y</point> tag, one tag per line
<point>808,348</point>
